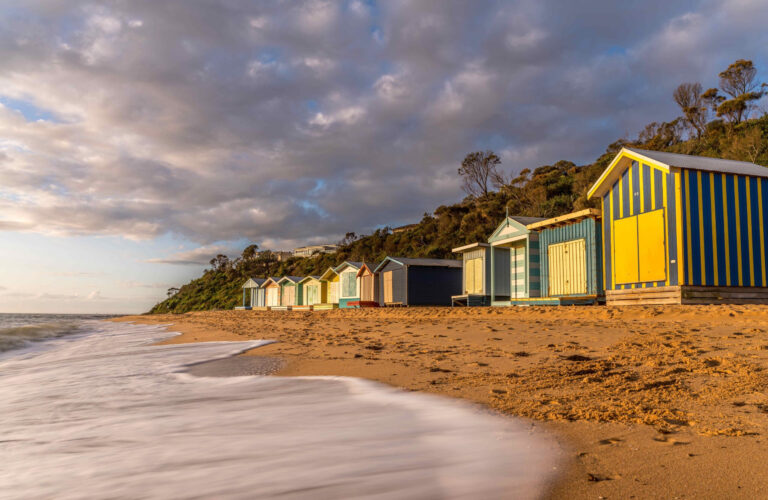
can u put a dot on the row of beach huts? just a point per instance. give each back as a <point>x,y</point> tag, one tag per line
<point>672,229</point>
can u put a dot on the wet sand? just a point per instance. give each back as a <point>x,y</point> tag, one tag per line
<point>237,366</point>
<point>649,401</point>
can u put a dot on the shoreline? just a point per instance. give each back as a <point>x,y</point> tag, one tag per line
<point>652,401</point>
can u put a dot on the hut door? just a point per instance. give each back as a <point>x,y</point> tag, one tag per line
<point>567,265</point>
<point>366,288</point>
<point>473,276</point>
<point>311,295</point>
<point>517,272</point>
<point>333,292</point>
<point>388,287</point>
<point>289,295</point>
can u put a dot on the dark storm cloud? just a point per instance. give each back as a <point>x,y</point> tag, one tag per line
<point>287,122</point>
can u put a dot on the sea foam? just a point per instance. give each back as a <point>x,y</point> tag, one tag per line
<point>109,415</point>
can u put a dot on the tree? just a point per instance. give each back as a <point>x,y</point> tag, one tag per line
<point>738,81</point>
<point>220,262</point>
<point>688,97</point>
<point>250,252</point>
<point>745,147</point>
<point>479,171</point>
<point>172,291</point>
<point>712,99</point>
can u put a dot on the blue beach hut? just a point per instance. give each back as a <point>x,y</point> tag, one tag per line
<point>682,229</point>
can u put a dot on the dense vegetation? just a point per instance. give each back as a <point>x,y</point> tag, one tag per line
<point>710,125</point>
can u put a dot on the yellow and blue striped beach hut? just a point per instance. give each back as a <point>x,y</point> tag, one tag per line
<point>682,229</point>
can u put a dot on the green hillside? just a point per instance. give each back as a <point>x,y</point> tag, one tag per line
<point>548,191</point>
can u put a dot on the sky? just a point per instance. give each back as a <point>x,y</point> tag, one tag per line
<point>139,138</point>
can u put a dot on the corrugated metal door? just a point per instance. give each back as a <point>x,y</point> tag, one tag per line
<point>567,263</point>
<point>388,287</point>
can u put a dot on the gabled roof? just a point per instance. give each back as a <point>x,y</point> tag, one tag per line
<point>407,262</point>
<point>271,279</point>
<point>513,226</point>
<point>348,263</point>
<point>309,278</point>
<point>371,267</point>
<point>566,219</point>
<point>665,161</point>
<point>328,274</point>
<point>292,279</point>
<point>254,282</point>
<point>471,246</point>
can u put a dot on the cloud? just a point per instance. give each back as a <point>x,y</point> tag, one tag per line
<point>153,286</point>
<point>78,274</point>
<point>96,295</point>
<point>42,296</point>
<point>195,257</point>
<point>289,122</point>
<point>3,288</point>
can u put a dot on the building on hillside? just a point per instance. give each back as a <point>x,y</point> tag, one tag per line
<point>404,229</point>
<point>571,258</point>
<point>271,292</point>
<point>312,291</point>
<point>418,282</point>
<point>514,262</point>
<point>348,291</point>
<point>476,275</point>
<point>310,250</point>
<point>331,298</point>
<point>282,256</point>
<point>253,294</point>
<point>367,282</point>
<point>682,229</point>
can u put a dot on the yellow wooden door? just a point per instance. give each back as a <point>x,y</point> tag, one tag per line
<point>625,244</point>
<point>652,246</point>
<point>478,286</point>
<point>469,276</point>
<point>333,292</point>
<point>567,265</point>
<point>388,287</point>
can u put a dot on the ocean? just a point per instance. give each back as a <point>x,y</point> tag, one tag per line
<point>92,409</point>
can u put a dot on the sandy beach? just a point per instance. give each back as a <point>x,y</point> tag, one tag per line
<point>647,402</point>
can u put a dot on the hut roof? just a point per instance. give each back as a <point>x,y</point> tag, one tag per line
<point>368,265</point>
<point>348,263</point>
<point>254,282</point>
<point>328,273</point>
<point>567,218</point>
<point>271,279</point>
<point>308,278</point>
<point>471,246</point>
<point>665,161</point>
<point>405,261</point>
<point>513,226</point>
<point>293,279</point>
